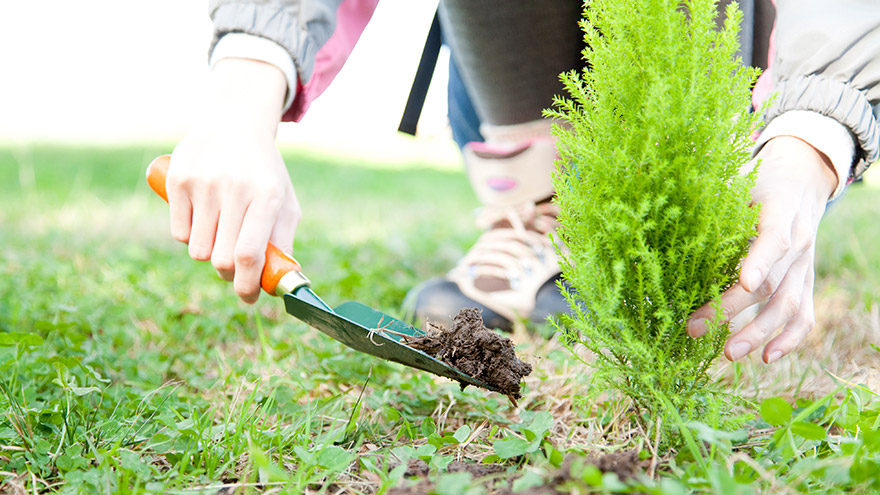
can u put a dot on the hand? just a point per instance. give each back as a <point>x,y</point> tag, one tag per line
<point>793,186</point>
<point>229,192</point>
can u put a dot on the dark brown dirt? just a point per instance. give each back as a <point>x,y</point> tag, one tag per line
<point>624,464</point>
<point>423,487</point>
<point>419,469</point>
<point>476,351</point>
<point>565,480</point>
<point>476,470</point>
<point>416,468</point>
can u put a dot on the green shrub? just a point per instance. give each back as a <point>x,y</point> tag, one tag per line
<point>655,215</point>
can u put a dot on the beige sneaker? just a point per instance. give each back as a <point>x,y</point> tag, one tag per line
<point>511,272</point>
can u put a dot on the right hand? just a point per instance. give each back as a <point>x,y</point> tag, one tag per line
<point>793,185</point>
<point>229,192</point>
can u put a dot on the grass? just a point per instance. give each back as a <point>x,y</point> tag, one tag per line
<point>125,367</point>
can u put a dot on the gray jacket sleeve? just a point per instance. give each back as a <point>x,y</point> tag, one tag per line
<point>827,61</point>
<point>302,27</point>
<point>317,34</point>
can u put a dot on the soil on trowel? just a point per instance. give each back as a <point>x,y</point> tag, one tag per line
<point>477,351</point>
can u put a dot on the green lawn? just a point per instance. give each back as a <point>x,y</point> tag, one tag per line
<point>125,367</point>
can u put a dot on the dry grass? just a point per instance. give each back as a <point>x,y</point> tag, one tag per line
<point>837,345</point>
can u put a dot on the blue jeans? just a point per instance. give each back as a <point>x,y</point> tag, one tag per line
<point>463,117</point>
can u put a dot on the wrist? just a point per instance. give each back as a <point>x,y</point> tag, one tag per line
<point>809,163</point>
<point>245,96</point>
<point>826,135</point>
<point>248,46</point>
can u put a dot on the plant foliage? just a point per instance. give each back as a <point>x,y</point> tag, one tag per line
<point>655,214</point>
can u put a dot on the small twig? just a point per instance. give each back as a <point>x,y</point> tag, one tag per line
<point>34,482</point>
<point>654,449</point>
<point>474,434</point>
<point>394,332</point>
<point>377,329</point>
<point>63,434</point>
<point>371,334</point>
<point>611,424</point>
<point>380,329</point>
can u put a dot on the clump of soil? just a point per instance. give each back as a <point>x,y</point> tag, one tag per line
<point>415,468</point>
<point>476,351</point>
<point>624,464</point>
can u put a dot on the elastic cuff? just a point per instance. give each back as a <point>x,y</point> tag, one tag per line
<point>839,100</point>
<point>241,45</point>
<point>823,133</point>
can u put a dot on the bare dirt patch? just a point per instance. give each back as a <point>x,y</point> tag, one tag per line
<point>626,465</point>
<point>481,473</point>
<point>564,481</point>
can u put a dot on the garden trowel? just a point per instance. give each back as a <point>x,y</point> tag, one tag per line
<point>358,326</point>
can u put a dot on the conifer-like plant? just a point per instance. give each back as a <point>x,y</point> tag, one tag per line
<point>655,213</point>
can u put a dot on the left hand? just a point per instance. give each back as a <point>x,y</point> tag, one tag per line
<point>793,186</point>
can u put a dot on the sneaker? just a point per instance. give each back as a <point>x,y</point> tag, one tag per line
<point>511,272</point>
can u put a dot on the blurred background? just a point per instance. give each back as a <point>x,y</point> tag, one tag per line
<point>122,72</point>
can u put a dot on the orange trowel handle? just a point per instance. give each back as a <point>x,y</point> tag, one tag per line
<point>277,264</point>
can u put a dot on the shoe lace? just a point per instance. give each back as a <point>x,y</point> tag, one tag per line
<point>515,243</point>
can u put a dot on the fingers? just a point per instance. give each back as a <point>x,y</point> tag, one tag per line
<point>227,213</point>
<point>204,227</point>
<point>240,233</point>
<point>790,306</point>
<point>737,299</point>
<point>250,248</point>
<point>228,228</point>
<point>180,210</point>
<point>788,290</point>
<point>733,301</point>
<point>796,330</point>
<point>773,243</point>
<point>194,213</point>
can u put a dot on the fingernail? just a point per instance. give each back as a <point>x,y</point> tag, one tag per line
<point>739,350</point>
<point>774,356</point>
<point>697,328</point>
